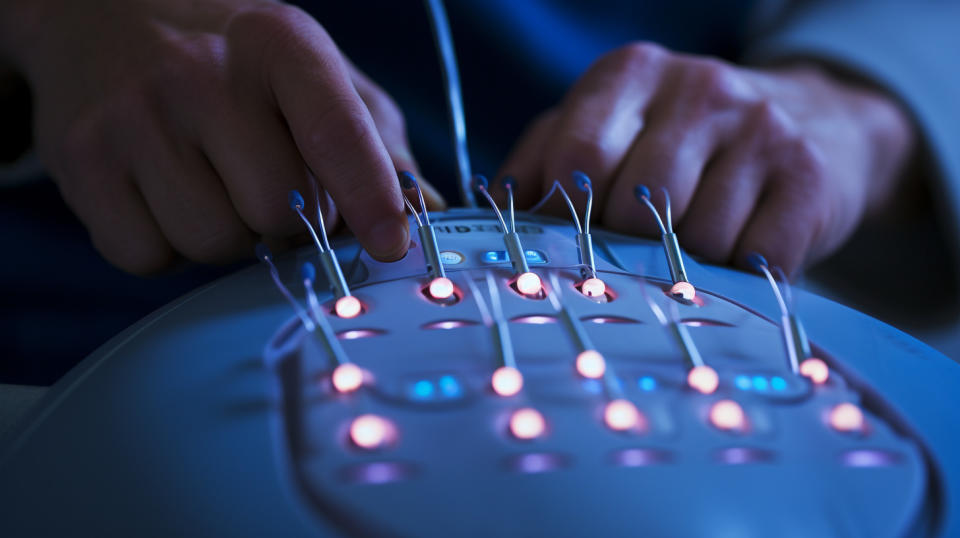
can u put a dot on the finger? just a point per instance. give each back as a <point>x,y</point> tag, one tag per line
<point>525,162</point>
<point>602,116</point>
<point>670,154</point>
<point>336,135</point>
<point>120,224</point>
<point>722,204</point>
<point>782,227</point>
<point>189,202</point>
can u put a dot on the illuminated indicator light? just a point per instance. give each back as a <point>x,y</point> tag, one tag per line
<point>727,415</point>
<point>538,462</point>
<point>621,415</point>
<point>816,370</point>
<point>449,386</point>
<point>778,383</point>
<point>529,284</point>
<point>347,377</point>
<point>590,364</point>
<point>534,256</point>
<point>441,288</point>
<point>527,423</point>
<point>354,334</point>
<point>348,307</point>
<point>370,431</point>
<point>743,382</point>
<point>870,458</point>
<point>448,324</point>
<point>684,290</point>
<point>760,383</point>
<point>495,256</point>
<point>647,383</point>
<point>846,417</point>
<point>423,390</point>
<point>535,320</point>
<point>703,379</point>
<point>506,381</point>
<point>593,287</point>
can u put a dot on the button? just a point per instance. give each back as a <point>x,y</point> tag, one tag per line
<point>451,257</point>
<point>500,256</point>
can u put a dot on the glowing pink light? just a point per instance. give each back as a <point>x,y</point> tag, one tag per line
<point>728,415</point>
<point>441,288</point>
<point>846,417</point>
<point>347,377</point>
<point>684,289</point>
<point>703,379</point>
<point>348,307</point>
<point>535,319</point>
<point>527,423</point>
<point>590,364</point>
<point>506,381</point>
<point>593,287</point>
<point>816,370</point>
<point>621,415</point>
<point>529,284</point>
<point>371,431</point>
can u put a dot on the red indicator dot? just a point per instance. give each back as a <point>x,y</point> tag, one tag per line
<point>529,284</point>
<point>348,307</point>
<point>703,379</point>
<point>728,415</point>
<point>371,431</point>
<point>441,288</point>
<point>593,287</point>
<point>527,424</point>
<point>506,381</point>
<point>347,377</point>
<point>590,364</point>
<point>816,370</point>
<point>684,290</point>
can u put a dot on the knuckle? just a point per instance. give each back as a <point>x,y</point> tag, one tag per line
<point>633,56</point>
<point>717,84</point>
<point>769,121</point>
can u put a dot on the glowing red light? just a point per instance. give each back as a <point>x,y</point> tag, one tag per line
<point>621,415</point>
<point>527,423</point>
<point>728,415</point>
<point>441,288</point>
<point>590,364</point>
<point>370,431</point>
<point>703,379</point>
<point>593,287</point>
<point>506,381</point>
<point>348,307</point>
<point>347,377</point>
<point>529,284</point>
<point>816,370</point>
<point>685,290</point>
<point>846,417</point>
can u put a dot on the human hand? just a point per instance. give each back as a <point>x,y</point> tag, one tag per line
<point>177,128</point>
<point>784,162</point>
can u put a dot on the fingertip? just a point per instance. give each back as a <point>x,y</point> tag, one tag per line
<point>388,240</point>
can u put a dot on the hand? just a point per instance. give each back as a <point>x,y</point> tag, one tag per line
<point>783,162</point>
<point>177,128</point>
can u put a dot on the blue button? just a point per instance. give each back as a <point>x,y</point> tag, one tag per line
<point>535,256</point>
<point>742,382</point>
<point>778,383</point>
<point>647,383</point>
<point>760,383</point>
<point>450,387</point>
<point>495,256</point>
<point>422,390</point>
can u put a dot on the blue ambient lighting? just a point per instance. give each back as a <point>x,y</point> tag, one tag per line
<point>647,383</point>
<point>450,387</point>
<point>760,383</point>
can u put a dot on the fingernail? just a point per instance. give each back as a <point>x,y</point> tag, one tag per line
<point>389,240</point>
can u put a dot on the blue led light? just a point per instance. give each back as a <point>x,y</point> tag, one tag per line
<point>778,383</point>
<point>450,387</point>
<point>535,256</point>
<point>742,382</point>
<point>760,383</point>
<point>647,383</point>
<point>422,390</point>
<point>495,256</point>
